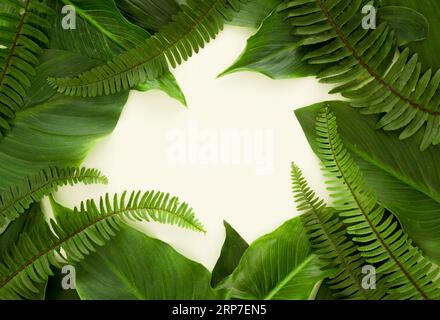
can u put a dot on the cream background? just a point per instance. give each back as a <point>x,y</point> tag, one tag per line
<point>134,156</point>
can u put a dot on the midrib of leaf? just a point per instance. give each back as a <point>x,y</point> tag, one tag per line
<point>96,24</point>
<point>171,44</point>
<point>14,43</point>
<point>370,223</point>
<point>289,277</point>
<point>60,242</point>
<point>365,65</point>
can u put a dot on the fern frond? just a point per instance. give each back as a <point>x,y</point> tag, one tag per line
<point>80,233</point>
<point>381,240</point>
<point>197,23</point>
<point>327,234</point>
<point>16,199</point>
<point>22,35</point>
<point>361,62</point>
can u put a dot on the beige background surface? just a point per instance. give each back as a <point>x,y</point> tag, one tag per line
<point>137,155</point>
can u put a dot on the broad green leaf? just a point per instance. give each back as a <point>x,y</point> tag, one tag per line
<point>151,15</point>
<point>272,52</point>
<point>254,12</point>
<point>428,49</point>
<point>53,129</point>
<point>101,33</point>
<point>232,251</point>
<point>134,266</point>
<point>87,39</point>
<point>105,17</point>
<point>410,25</point>
<point>278,266</point>
<point>407,181</point>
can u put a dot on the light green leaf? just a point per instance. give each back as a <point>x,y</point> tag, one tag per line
<point>232,251</point>
<point>278,266</point>
<point>406,180</point>
<point>134,266</point>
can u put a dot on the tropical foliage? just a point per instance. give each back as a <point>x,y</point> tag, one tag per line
<point>63,87</point>
<point>28,262</point>
<point>367,66</point>
<point>197,23</point>
<point>380,239</point>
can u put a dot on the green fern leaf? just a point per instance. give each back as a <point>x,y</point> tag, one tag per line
<point>197,23</point>
<point>22,34</point>
<point>327,234</point>
<point>364,66</point>
<point>80,233</point>
<point>16,199</point>
<point>381,240</point>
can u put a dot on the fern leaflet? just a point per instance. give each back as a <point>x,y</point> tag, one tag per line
<point>16,199</point>
<point>22,35</point>
<point>380,238</point>
<point>327,234</point>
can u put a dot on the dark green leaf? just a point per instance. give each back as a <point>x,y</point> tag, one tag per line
<point>33,216</point>
<point>254,12</point>
<point>151,15</point>
<point>55,291</point>
<point>324,293</point>
<point>232,251</point>
<point>410,25</point>
<point>428,49</point>
<point>23,224</point>
<point>135,266</point>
